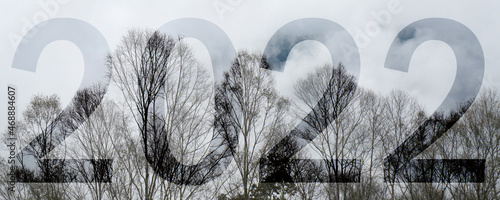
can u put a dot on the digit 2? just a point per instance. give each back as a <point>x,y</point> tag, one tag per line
<point>277,165</point>
<point>94,49</point>
<point>400,165</point>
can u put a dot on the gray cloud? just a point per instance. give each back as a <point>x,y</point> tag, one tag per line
<point>250,25</point>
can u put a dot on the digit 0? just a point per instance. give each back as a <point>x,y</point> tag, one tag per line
<point>216,161</point>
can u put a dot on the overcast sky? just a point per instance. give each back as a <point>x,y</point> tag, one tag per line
<point>250,24</point>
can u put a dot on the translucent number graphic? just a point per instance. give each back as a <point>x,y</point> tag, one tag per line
<point>400,166</point>
<point>214,163</point>
<point>94,49</point>
<point>277,165</point>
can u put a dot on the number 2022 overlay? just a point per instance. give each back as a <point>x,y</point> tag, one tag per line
<point>275,166</point>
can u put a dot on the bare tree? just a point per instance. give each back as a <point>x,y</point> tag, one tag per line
<point>336,117</point>
<point>248,104</point>
<point>141,85</point>
<point>373,126</point>
<point>478,138</point>
<point>403,115</point>
<point>94,138</point>
<point>41,128</point>
<point>171,93</point>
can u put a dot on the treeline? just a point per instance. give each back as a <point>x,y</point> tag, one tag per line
<point>173,134</point>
